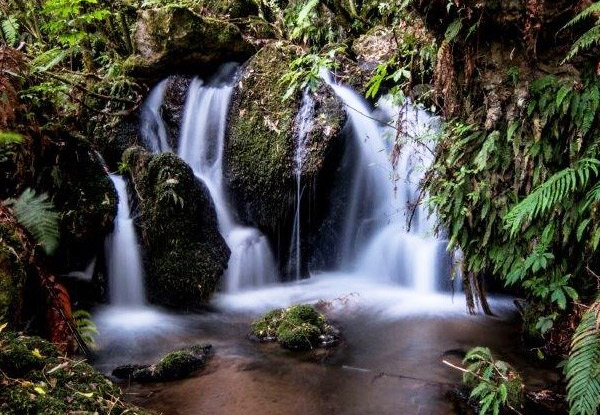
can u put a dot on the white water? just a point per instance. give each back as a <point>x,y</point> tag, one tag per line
<point>388,234</point>
<point>123,259</point>
<point>201,145</point>
<point>152,127</point>
<point>304,123</point>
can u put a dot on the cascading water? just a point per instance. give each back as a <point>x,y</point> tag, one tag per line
<point>124,263</point>
<point>202,145</point>
<point>152,127</point>
<point>386,227</point>
<point>304,121</point>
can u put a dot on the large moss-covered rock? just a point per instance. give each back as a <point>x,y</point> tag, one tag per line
<point>261,146</point>
<point>13,267</point>
<point>175,37</point>
<point>36,380</point>
<point>185,253</point>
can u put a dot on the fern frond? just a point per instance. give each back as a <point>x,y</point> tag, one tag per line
<point>588,12</point>
<point>37,215</point>
<point>583,366</point>
<point>545,197</point>
<point>586,41</point>
<point>49,59</point>
<point>10,28</point>
<point>86,327</point>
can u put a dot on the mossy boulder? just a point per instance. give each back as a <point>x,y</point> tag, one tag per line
<point>299,327</point>
<point>185,253</point>
<point>36,380</point>
<point>172,366</point>
<point>13,267</point>
<point>261,145</point>
<point>176,37</point>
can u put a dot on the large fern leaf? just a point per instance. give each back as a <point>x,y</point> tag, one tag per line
<point>586,41</point>
<point>36,214</point>
<point>588,12</point>
<point>10,29</point>
<point>545,197</point>
<point>583,366</point>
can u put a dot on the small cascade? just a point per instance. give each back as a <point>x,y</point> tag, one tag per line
<point>123,259</point>
<point>201,145</point>
<point>387,229</point>
<point>304,121</point>
<point>152,127</point>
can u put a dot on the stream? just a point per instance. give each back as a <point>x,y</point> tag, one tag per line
<point>391,296</point>
<point>389,361</point>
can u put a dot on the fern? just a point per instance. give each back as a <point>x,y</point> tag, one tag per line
<point>585,42</point>
<point>10,29</point>
<point>86,327</point>
<point>552,191</point>
<point>36,214</point>
<point>588,12</point>
<point>583,366</point>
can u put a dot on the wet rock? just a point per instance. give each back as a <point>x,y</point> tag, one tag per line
<point>299,327</point>
<point>261,144</point>
<point>172,366</point>
<point>175,37</point>
<point>185,255</point>
<point>173,106</point>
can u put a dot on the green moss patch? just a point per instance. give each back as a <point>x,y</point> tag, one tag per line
<point>299,327</point>
<point>34,379</point>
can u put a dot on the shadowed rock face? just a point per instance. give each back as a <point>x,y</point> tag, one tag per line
<point>171,38</point>
<point>185,253</point>
<point>261,143</point>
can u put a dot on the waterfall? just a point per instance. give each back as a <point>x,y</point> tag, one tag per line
<point>201,145</point>
<point>123,259</point>
<point>304,122</point>
<point>387,233</point>
<point>152,126</point>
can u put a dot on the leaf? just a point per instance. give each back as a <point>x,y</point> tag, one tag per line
<point>36,353</point>
<point>39,390</point>
<point>453,30</point>
<point>36,214</point>
<point>3,326</point>
<point>87,394</point>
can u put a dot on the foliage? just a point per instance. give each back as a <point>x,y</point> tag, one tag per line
<point>591,37</point>
<point>582,369</point>
<point>481,185</point>
<point>305,72</point>
<point>36,213</point>
<point>412,63</point>
<point>494,383</point>
<point>85,326</point>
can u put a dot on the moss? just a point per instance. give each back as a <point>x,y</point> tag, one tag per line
<point>298,327</point>
<point>13,270</point>
<point>174,365</point>
<point>266,326</point>
<point>175,36</point>
<point>35,380</point>
<point>261,144</point>
<point>185,253</point>
<point>177,365</point>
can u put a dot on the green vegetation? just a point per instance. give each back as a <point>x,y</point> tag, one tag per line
<point>494,383</point>
<point>581,369</point>
<point>36,213</point>
<point>298,327</point>
<point>34,379</point>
